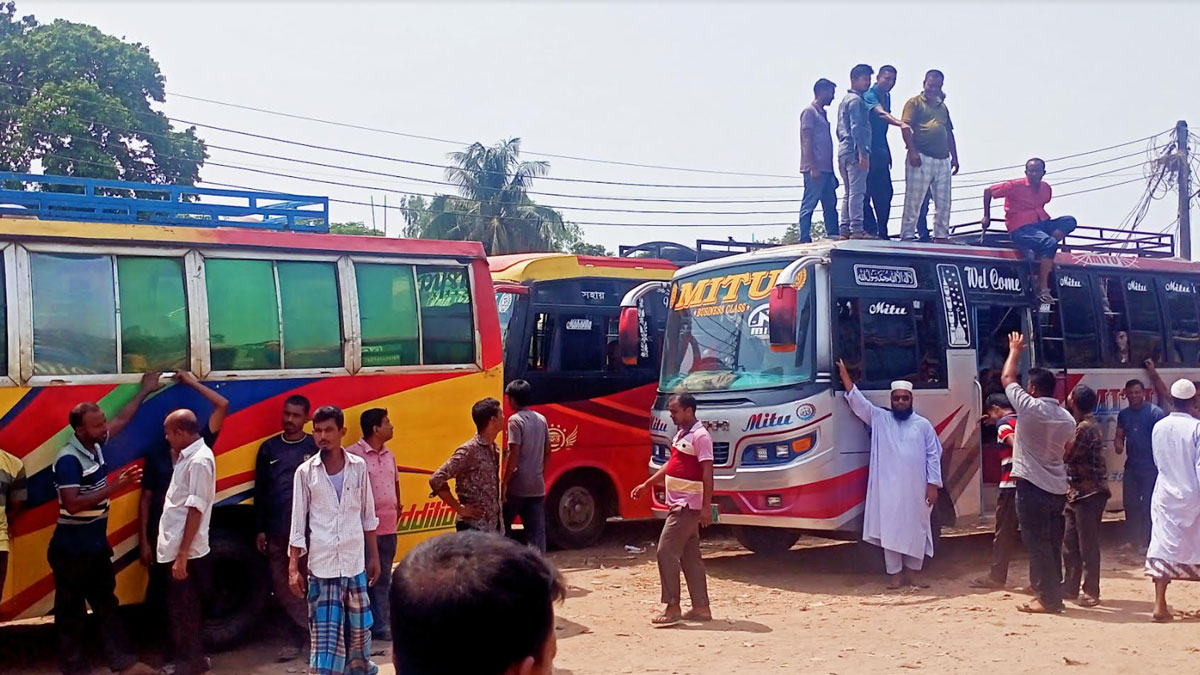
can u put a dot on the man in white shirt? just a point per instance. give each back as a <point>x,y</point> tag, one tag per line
<point>183,536</point>
<point>1174,551</point>
<point>1043,429</point>
<point>333,504</point>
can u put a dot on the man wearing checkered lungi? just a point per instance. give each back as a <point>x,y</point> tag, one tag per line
<point>332,503</point>
<point>932,158</point>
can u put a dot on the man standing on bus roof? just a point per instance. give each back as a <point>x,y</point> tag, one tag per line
<point>854,151</point>
<point>79,554</point>
<point>1000,413</point>
<point>932,158</point>
<point>878,203</point>
<point>1033,231</point>
<point>688,476</point>
<point>475,468</point>
<point>905,474</point>
<point>274,470</point>
<point>524,470</point>
<point>1043,430</point>
<point>816,162</point>
<point>1135,424</point>
<point>333,521</point>
<point>385,488</point>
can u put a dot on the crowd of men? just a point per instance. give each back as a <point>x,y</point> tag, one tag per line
<point>864,163</point>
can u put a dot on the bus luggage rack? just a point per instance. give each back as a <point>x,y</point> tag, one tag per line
<point>706,249</point>
<point>112,201</point>
<point>1109,240</point>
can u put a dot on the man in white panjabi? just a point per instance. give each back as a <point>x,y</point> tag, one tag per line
<point>1174,551</point>
<point>905,474</point>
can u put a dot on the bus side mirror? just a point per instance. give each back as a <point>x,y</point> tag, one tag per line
<point>629,335</point>
<point>781,318</point>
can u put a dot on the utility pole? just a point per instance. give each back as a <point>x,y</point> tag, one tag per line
<point>1183,176</point>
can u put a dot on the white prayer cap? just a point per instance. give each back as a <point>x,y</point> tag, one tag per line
<point>902,385</point>
<point>1183,389</point>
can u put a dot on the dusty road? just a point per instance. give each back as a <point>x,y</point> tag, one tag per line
<point>820,608</point>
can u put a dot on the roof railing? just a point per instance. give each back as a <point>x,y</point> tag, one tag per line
<point>1090,238</point>
<point>113,201</point>
<point>706,249</point>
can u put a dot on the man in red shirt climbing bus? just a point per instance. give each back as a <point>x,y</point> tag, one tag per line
<point>1031,228</point>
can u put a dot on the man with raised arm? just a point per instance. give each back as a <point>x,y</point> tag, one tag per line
<point>79,554</point>
<point>878,204</point>
<point>1174,551</point>
<point>1032,230</point>
<point>905,474</point>
<point>1043,429</point>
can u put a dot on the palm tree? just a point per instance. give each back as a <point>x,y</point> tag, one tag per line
<point>494,207</point>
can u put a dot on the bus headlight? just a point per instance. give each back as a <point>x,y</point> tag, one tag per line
<point>765,454</point>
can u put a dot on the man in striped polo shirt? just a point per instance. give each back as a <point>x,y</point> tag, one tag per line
<point>689,490</point>
<point>79,554</point>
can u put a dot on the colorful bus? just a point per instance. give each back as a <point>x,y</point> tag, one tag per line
<point>792,458</point>
<point>559,325</point>
<point>95,293</point>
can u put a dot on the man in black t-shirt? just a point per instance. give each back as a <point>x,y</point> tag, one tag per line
<point>156,477</point>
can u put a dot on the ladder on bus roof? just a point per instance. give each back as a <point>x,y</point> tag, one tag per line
<point>114,201</point>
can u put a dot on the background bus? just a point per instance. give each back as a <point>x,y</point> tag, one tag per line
<point>558,322</point>
<point>93,296</point>
<point>791,457</point>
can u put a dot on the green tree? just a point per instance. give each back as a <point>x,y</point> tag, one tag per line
<point>493,205</point>
<point>356,227</point>
<point>584,248</point>
<point>78,102</point>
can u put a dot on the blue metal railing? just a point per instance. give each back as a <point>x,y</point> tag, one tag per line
<point>114,201</point>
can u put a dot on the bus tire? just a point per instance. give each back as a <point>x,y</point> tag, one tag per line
<point>765,540</point>
<point>239,588</point>
<point>576,512</point>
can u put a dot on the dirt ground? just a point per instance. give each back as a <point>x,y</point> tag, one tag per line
<point>820,608</point>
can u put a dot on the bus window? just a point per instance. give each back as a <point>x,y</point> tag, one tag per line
<point>387,308</point>
<point>539,343</point>
<point>1116,320</point>
<point>582,343</point>
<point>154,317</point>
<point>3,319</point>
<point>892,340</point>
<point>75,319</point>
<point>447,322</point>
<point>1184,322</point>
<point>1145,324</point>
<point>1069,338</point>
<point>312,315</point>
<point>243,316</point>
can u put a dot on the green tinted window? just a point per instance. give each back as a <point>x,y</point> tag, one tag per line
<point>74,314</point>
<point>447,325</point>
<point>243,318</point>
<point>3,321</point>
<point>312,319</point>
<point>154,330</point>
<point>387,306</point>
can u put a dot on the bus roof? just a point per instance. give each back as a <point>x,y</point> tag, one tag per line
<point>116,233</point>
<point>926,249</point>
<point>522,267</point>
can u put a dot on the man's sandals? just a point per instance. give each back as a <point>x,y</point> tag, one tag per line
<point>665,620</point>
<point>1036,607</point>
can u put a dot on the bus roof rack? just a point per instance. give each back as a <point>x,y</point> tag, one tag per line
<point>114,201</point>
<point>1090,238</point>
<point>706,249</point>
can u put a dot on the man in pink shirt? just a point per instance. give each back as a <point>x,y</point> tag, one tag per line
<point>689,489</point>
<point>385,488</point>
<point>1032,229</point>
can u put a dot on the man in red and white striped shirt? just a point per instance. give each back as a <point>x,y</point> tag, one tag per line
<point>689,488</point>
<point>1000,413</point>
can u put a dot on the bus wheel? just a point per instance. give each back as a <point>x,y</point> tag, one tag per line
<point>765,540</point>
<point>239,589</point>
<point>575,512</point>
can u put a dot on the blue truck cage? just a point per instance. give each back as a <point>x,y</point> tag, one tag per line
<point>114,201</point>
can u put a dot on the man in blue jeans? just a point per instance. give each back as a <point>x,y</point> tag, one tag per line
<point>1134,426</point>
<point>816,162</point>
<point>1031,228</point>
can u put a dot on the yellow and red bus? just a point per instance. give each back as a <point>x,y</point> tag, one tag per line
<point>559,318</point>
<point>93,295</point>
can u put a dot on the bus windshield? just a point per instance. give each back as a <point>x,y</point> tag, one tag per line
<point>506,306</point>
<point>717,336</point>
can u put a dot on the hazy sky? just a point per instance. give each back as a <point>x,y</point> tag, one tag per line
<point>711,85</point>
